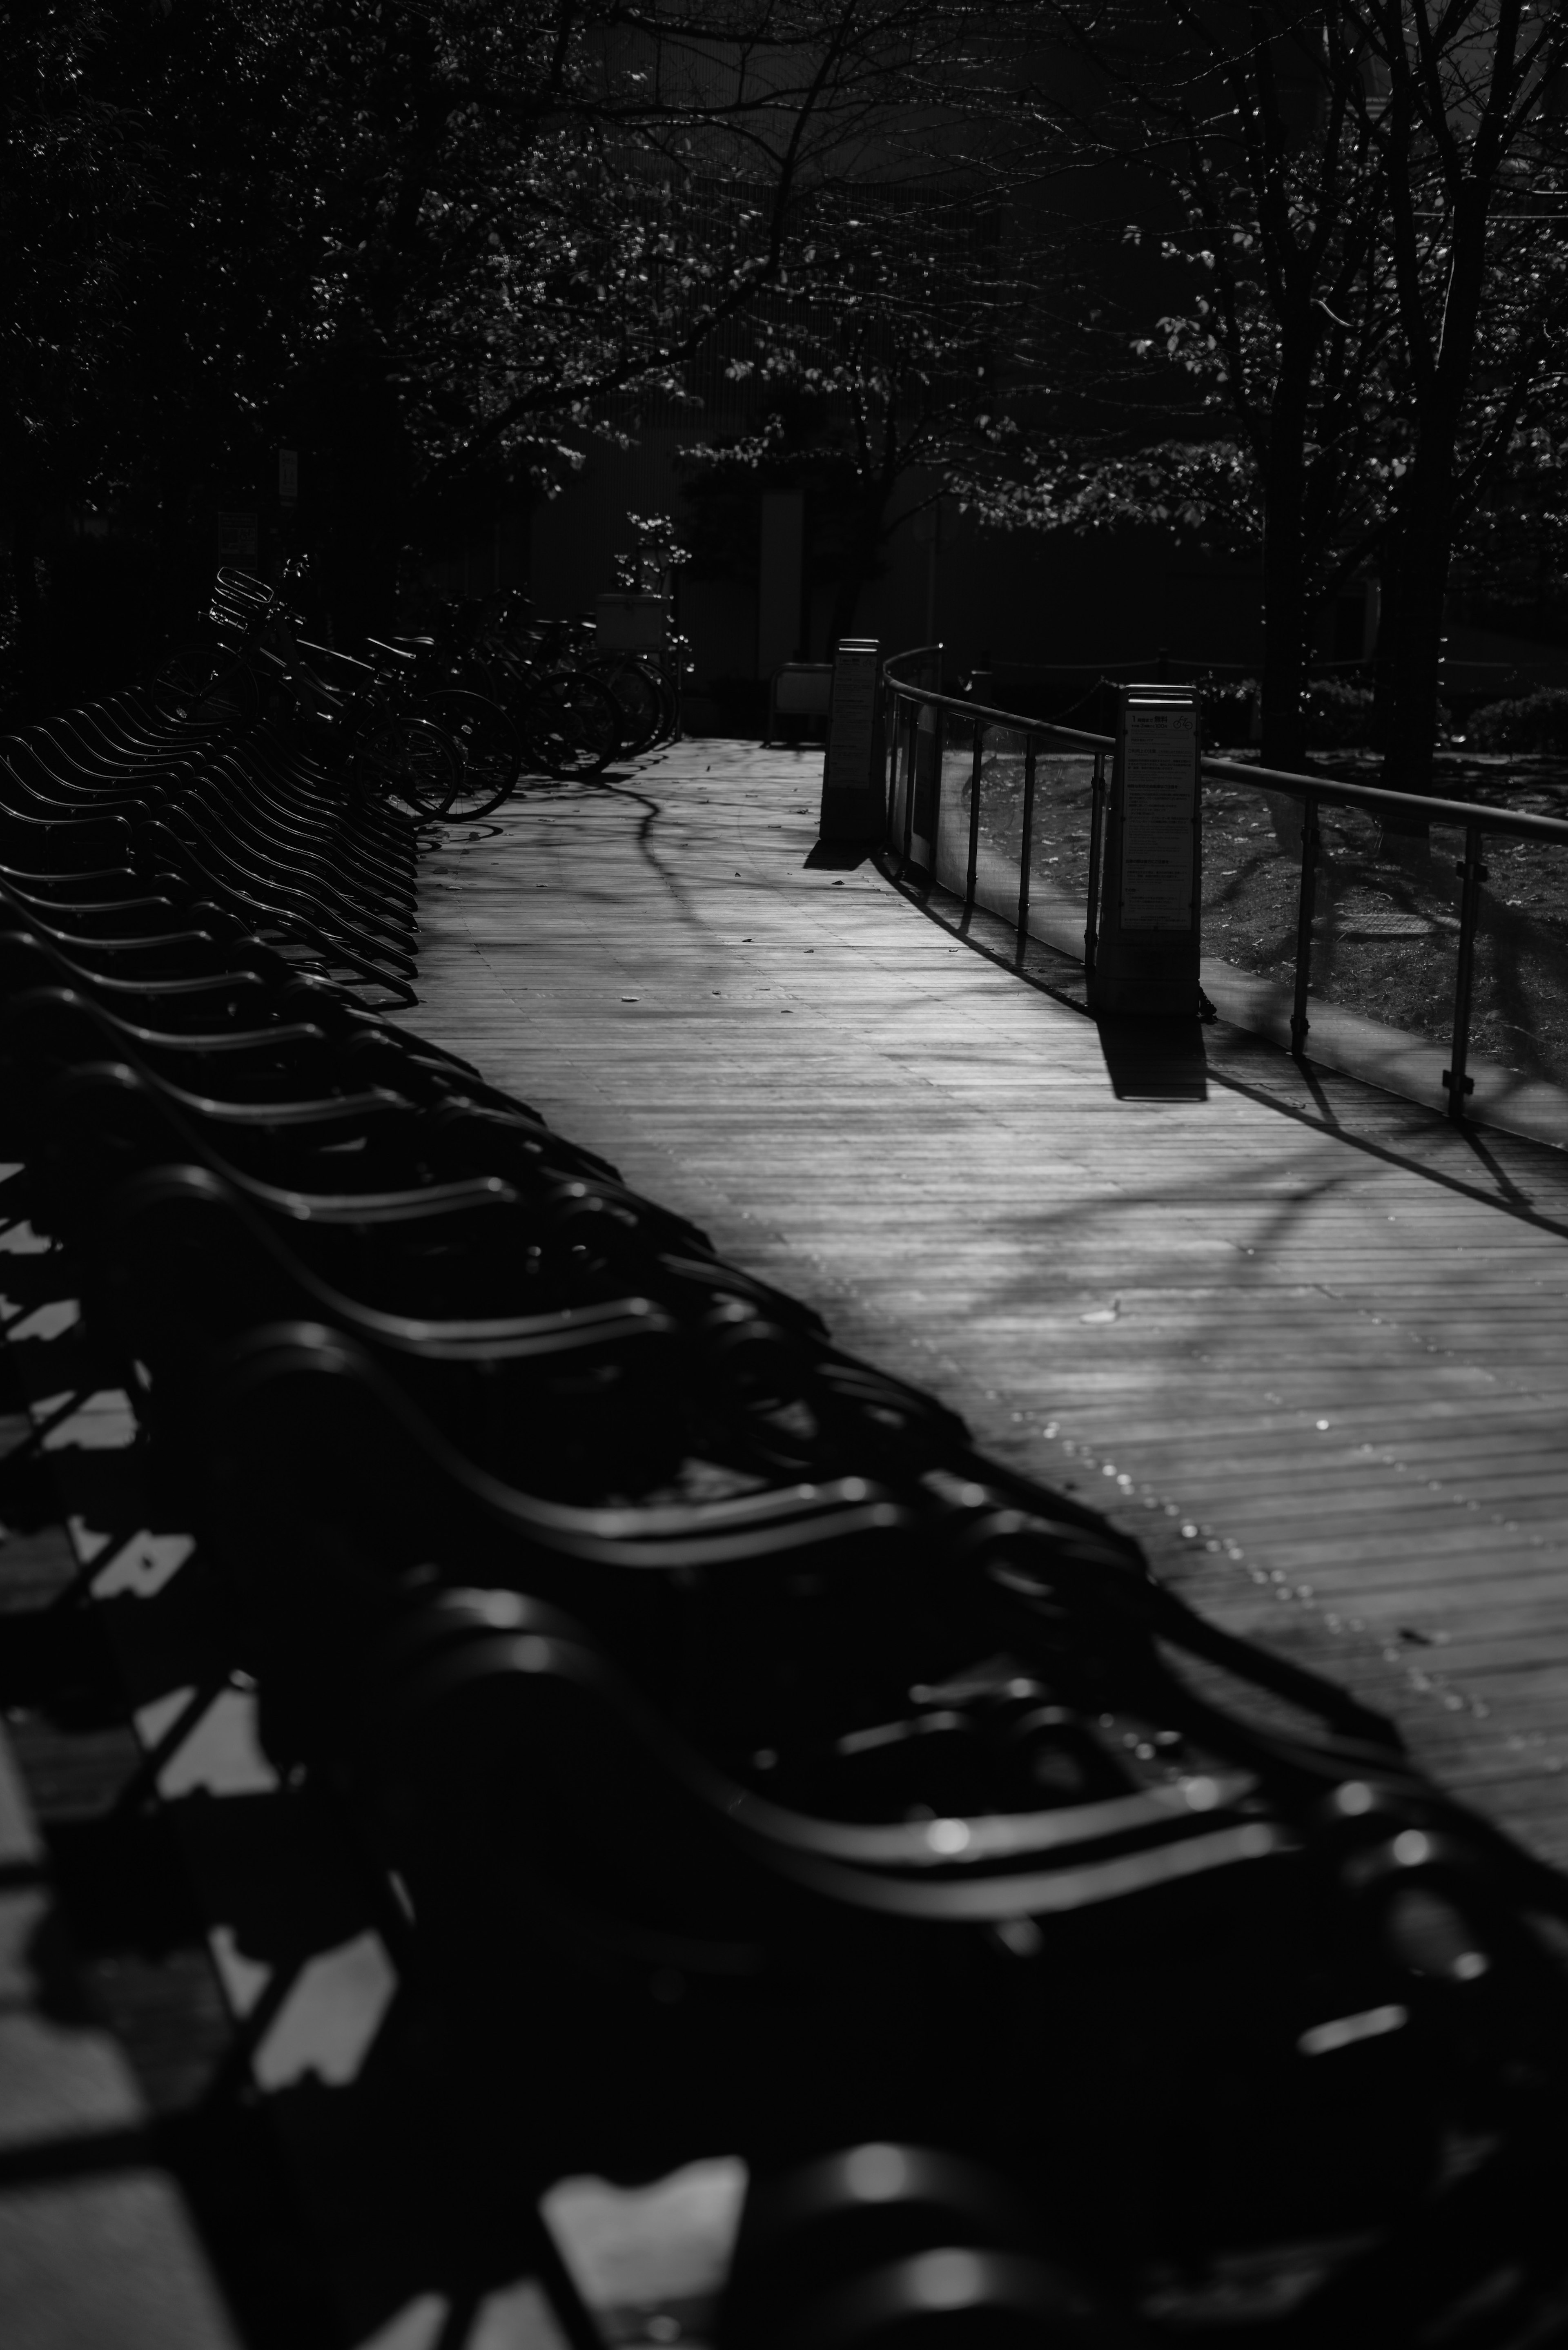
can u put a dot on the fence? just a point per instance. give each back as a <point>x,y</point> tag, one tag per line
<point>1329,894</point>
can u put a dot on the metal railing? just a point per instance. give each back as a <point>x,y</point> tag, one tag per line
<point>916,711</point>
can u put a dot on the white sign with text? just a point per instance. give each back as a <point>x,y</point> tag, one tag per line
<point>1158,792</point>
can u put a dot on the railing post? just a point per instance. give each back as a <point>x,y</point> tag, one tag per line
<point>1096,844</point>
<point>909,782</point>
<point>1026,849</point>
<point>896,745</point>
<point>851,795</point>
<point>973,814</point>
<point>1472,872</point>
<point>1305,905</point>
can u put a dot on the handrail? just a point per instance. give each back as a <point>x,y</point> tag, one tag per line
<point>1473,816</point>
<point>1373,796</point>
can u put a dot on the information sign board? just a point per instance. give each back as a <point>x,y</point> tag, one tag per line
<point>1146,942</point>
<point>852,716</point>
<point>627,621</point>
<point>237,537</point>
<point>1159,770</point>
<point>852,769</point>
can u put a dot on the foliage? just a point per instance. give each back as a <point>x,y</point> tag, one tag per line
<point>1338,714</point>
<point>427,243</point>
<point>1352,202</point>
<point>656,555</point>
<point>886,370</point>
<point>1534,721</point>
<point>1511,565</point>
<point>75,185</point>
<point>76,171</point>
<point>1227,706</point>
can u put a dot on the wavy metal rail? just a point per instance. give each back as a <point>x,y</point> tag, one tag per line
<point>914,707</point>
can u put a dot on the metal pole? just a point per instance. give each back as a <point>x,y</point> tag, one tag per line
<point>1026,848</point>
<point>1472,872</point>
<point>974,813</point>
<point>1304,909</point>
<point>892,720</point>
<point>909,781</point>
<point>1096,830</point>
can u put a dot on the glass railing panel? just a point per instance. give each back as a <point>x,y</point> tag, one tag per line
<point>1386,950</point>
<point>1250,898</point>
<point>953,800</point>
<point>1003,756</point>
<point>1059,848</point>
<point>1518,1003</point>
<point>903,732</point>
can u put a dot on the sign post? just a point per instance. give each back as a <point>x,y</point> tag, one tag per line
<point>238,538</point>
<point>630,621</point>
<point>852,771</point>
<point>1147,953</point>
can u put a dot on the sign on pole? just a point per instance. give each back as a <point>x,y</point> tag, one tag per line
<point>628,620</point>
<point>1147,950</point>
<point>237,537</point>
<point>852,771</point>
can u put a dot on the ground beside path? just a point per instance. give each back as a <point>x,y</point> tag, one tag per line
<point>1308,1344</point>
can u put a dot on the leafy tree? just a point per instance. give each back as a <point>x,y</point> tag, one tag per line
<point>888,367</point>
<point>1456,108</point>
<point>1511,567</point>
<point>1358,325</point>
<point>426,241</point>
<point>76,174</point>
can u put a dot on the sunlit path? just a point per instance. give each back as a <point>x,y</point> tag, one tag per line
<point>1342,1371</point>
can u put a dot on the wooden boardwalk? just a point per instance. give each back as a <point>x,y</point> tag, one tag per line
<point>1303,1338</point>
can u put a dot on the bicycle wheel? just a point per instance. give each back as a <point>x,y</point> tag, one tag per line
<point>637,698</point>
<point>409,760</point>
<point>203,685</point>
<point>490,743</point>
<point>571,724</point>
<point>669,694</point>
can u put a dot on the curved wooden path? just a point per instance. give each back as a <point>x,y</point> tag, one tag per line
<point>1308,1341</point>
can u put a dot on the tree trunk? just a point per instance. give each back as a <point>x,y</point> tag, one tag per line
<point>1285,675</point>
<point>1422,545</point>
<point>1390,573</point>
<point>865,547</point>
<point>1421,552</point>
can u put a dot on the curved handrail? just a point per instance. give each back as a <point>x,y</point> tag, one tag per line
<point>1475,817</point>
<point>1375,797</point>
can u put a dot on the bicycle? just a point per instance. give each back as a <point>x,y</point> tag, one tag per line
<point>215,684</point>
<point>643,693</point>
<point>570,721</point>
<point>490,744</point>
<point>261,668</point>
<point>394,746</point>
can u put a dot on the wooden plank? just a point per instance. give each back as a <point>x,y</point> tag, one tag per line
<point>855,1104</point>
